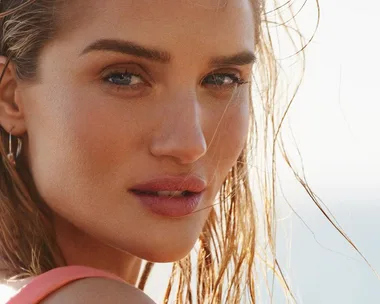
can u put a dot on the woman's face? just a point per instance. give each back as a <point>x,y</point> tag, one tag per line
<point>134,97</point>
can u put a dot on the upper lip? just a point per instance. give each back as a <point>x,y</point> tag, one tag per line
<point>188,183</point>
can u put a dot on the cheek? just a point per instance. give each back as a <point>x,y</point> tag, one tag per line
<point>76,141</point>
<point>229,142</point>
<point>232,135</point>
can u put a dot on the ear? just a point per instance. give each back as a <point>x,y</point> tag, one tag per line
<point>11,109</point>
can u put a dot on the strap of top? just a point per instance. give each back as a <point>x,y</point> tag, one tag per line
<point>48,282</point>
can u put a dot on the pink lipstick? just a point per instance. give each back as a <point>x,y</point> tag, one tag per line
<point>172,196</point>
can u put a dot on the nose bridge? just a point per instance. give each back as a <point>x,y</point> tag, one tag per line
<point>180,134</point>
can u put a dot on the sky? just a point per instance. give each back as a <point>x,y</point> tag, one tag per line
<point>336,115</point>
<point>335,121</point>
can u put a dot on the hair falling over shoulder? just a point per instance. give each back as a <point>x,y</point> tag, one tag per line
<point>224,262</point>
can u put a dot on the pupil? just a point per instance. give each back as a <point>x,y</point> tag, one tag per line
<point>219,79</point>
<point>215,79</point>
<point>121,78</point>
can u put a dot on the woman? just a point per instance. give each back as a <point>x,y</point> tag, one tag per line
<point>125,138</point>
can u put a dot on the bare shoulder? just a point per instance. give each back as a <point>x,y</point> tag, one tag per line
<point>97,291</point>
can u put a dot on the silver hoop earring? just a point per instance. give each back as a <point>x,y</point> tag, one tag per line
<point>11,157</point>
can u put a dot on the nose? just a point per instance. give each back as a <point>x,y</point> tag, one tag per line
<point>179,134</point>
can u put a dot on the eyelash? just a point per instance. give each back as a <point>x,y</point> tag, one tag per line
<point>236,80</point>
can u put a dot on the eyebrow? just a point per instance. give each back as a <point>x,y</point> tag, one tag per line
<point>161,56</point>
<point>242,58</point>
<point>127,47</point>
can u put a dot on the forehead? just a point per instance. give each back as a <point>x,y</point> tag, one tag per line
<point>192,25</point>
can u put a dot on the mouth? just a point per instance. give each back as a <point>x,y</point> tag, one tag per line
<point>170,196</point>
<point>185,193</point>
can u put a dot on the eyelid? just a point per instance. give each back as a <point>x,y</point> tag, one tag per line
<point>226,71</point>
<point>234,71</point>
<point>132,68</point>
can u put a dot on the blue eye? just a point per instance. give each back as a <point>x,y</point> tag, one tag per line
<point>124,78</point>
<point>223,79</point>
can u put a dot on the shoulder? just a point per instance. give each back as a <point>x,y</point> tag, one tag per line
<point>98,290</point>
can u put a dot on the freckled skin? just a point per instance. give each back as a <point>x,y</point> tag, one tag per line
<point>89,141</point>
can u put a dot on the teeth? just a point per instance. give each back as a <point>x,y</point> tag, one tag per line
<point>170,193</point>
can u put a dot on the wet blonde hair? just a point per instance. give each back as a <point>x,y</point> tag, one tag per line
<point>226,252</point>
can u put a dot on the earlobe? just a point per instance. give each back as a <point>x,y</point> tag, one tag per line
<point>11,113</point>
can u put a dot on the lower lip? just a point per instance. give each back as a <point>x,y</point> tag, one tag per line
<point>175,206</point>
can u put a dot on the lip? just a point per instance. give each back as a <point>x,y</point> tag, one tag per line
<point>171,206</point>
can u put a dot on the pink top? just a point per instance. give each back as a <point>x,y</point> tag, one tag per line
<point>45,284</point>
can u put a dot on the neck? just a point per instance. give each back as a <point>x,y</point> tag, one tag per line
<point>79,248</point>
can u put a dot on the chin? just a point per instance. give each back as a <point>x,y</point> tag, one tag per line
<point>165,254</point>
<point>167,258</point>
